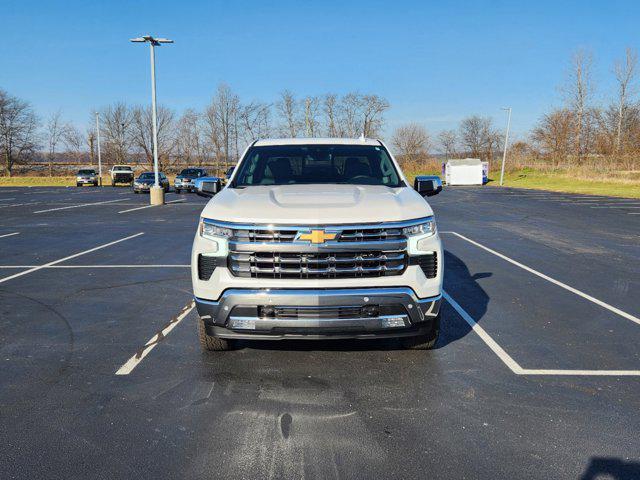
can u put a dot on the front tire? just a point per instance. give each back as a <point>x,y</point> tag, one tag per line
<point>212,344</point>
<point>423,342</point>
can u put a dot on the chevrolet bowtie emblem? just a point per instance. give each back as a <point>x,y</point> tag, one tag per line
<point>317,236</point>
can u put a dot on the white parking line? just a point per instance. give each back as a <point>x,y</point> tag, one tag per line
<point>96,266</point>
<point>621,206</point>
<point>19,204</point>
<point>514,366</point>
<point>149,206</point>
<point>586,296</point>
<point>7,199</point>
<point>133,362</point>
<point>40,267</point>
<point>9,234</point>
<point>80,205</point>
<point>491,343</point>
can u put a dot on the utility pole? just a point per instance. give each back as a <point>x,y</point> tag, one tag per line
<point>506,141</point>
<point>157,197</point>
<point>98,140</point>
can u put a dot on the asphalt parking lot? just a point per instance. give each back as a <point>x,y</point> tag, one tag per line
<point>536,373</point>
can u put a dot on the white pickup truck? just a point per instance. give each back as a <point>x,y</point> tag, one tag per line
<point>121,174</point>
<point>317,239</point>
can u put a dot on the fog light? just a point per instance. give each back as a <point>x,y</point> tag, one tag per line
<point>370,311</point>
<point>393,322</point>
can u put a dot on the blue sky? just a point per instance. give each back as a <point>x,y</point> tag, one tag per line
<point>435,61</point>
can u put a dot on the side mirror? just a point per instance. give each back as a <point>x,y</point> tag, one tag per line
<point>428,185</point>
<point>208,186</point>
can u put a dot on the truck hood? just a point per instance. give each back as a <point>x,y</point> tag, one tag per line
<point>316,204</point>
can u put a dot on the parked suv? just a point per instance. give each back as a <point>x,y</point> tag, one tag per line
<point>316,239</point>
<point>86,176</point>
<point>184,180</point>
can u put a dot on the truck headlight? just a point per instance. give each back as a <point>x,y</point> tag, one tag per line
<point>212,232</point>
<point>427,228</point>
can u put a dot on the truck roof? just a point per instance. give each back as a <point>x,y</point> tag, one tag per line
<point>316,141</point>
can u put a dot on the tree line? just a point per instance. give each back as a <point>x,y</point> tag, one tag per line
<point>215,135</point>
<point>579,130</point>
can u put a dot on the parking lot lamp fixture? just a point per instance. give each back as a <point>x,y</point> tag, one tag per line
<point>506,142</point>
<point>153,42</point>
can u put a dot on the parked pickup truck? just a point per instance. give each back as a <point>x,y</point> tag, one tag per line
<point>317,239</point>
<point>121,174</point>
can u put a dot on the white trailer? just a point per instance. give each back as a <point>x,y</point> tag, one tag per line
<point>466,171</point>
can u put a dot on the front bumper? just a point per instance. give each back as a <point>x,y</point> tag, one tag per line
<point>318,313</point>
<point>184,185</point>
<point>86,180</point>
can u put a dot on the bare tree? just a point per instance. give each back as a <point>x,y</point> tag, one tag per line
<point>191,142</point>
<point>448,141</point>
<point>554,134</point>
<point>311,108</point>
<point>221,119</point>
<point>91,143</point>
<point>289,112</point>
<point>411,141</point>
<point>624,73</point>
<point>73,140</point>
<point>115,128</point>
<point>255,121</point>
<point>472,135</point>
<point>142,133</point>
<point>330,110</point>
<point>18,126</point>
<point>349,123</point>
<point>578,92</point>
<point>55,129</point>
<point>373,108</point>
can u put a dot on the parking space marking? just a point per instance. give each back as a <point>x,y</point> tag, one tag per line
<point>20,204</point>
<point>40,267</point>
<point>486,338</point>
<point>7,199</point>
<point>134,361</point>
<point>149,206</point>
<point>514,366</point>
<point>81,205</point>
<point>97,266</point>
<point>586,296</point>
<point>9,234</point>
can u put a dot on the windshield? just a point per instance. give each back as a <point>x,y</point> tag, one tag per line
<point>122,167</point>
<point>86,172</point>
<point>192,172</point>
<point>146,176</point>
<point>306,164</point>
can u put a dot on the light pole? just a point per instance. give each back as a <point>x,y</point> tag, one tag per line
<point>98,139</point>
<point>157,197</point>
<point>506,141</point>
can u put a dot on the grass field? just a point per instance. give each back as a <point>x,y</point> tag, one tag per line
<point>51,181</point>
<point>564,182</point>
<point>526,178</point>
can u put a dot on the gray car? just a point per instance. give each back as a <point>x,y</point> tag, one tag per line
<point>86,176</point>
<point>147,179</point>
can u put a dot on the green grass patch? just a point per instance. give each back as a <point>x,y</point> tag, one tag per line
<point>37,181</point>
<point>564,182</point>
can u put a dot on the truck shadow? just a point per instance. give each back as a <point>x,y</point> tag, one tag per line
<point>464,288</point>
<point>611,467</point>
<point>458,282</point>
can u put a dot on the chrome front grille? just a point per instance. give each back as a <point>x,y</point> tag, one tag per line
<point>346,234</point>
<point>317,264</point>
